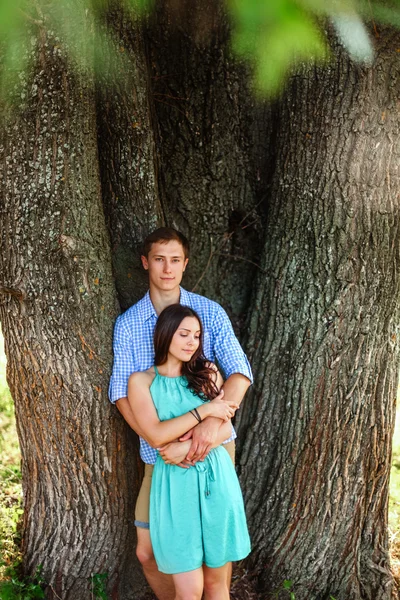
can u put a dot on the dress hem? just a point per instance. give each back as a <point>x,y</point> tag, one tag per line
<point>204,563</point>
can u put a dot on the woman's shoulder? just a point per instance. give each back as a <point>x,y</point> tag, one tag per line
<point>142,377</point>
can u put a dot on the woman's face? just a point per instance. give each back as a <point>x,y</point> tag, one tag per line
<point>186,339</point>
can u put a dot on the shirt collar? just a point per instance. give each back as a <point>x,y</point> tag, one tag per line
<point>149,310</point>
<point>184,298</point>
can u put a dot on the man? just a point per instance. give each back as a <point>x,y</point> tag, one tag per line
<point>165,257</point>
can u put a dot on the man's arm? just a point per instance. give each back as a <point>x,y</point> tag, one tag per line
<point>236,368</point>
<point>205,433</point>
<point>123,367</point>
<point>175,453</point>
<point>126,411</point>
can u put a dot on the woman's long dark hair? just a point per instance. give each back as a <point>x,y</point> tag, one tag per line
<point>199,374</point>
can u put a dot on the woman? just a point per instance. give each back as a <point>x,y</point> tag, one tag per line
<point>197,520</point>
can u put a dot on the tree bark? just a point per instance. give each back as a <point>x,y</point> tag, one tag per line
<point>315,434</point>
<point>215,157</point>
<point>58,306</point>
<point>128,158</point>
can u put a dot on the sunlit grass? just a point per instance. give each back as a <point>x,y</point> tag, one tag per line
<point>394,502</point>
<point>10,476</point>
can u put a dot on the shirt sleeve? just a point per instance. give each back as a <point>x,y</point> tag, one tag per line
<point>228,352</point>
<point>123,365</point>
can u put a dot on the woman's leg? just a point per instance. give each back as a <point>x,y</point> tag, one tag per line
<point>189,586</point>
<point>215,582</point>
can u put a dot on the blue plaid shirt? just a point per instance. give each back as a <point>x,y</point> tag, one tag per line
<point>134,349</point>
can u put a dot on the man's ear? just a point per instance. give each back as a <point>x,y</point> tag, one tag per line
<point>184,265</point>
<point>145,262</point>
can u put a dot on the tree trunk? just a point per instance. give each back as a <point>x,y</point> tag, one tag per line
<point>215,159</point>
<point>315,433</point>
<point>128,161</point>
<point>57,310</point>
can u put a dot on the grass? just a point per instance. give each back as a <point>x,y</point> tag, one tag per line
<point>10,478</point>
<point>394,502</point>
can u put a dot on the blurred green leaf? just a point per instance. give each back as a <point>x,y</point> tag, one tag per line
<point>10,16</point>
<point>292,42</point>
<point>140,7</point>
<point>275,36</point>
<point>15,61</point>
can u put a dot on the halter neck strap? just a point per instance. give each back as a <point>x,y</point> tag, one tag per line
<point>156,370</point>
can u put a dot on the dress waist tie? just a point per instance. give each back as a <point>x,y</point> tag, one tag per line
<point>207,469</point>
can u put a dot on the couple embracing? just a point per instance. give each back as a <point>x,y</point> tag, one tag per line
<point>189,514</point>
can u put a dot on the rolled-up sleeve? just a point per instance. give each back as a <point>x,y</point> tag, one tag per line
<point>123,365</point>
<point>228,352</point>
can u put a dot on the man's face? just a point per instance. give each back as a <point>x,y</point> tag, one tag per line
<point>165,263</point>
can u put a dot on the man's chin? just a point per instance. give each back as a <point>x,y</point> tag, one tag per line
<point>168,285</point>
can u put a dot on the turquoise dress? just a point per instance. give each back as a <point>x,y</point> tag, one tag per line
<point>196,515</point>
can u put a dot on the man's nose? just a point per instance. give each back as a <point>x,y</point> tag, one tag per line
<point>167,266</point>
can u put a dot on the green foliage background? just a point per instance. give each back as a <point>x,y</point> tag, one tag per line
<point>276,37</point>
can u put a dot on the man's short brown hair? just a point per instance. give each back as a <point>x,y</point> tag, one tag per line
<point>164,235</point>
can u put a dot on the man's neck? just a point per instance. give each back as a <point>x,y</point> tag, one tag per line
<point>161,299</point>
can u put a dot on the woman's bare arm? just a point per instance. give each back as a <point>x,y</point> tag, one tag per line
<point>156,432</point>
<point>175,453</point>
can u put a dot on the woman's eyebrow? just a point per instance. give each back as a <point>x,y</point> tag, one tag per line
<point>189,330</point>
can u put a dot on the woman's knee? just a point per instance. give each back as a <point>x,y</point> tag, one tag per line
<point>215,580</point>
<point>212,586</point>
<point>144,551</point>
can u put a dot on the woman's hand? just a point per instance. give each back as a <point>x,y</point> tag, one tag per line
<point>175,453</point>
<point>220,408</point>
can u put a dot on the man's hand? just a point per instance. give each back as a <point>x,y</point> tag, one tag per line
<point>175,453</point>
<point>203,439</point>
<point>204,435</point>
